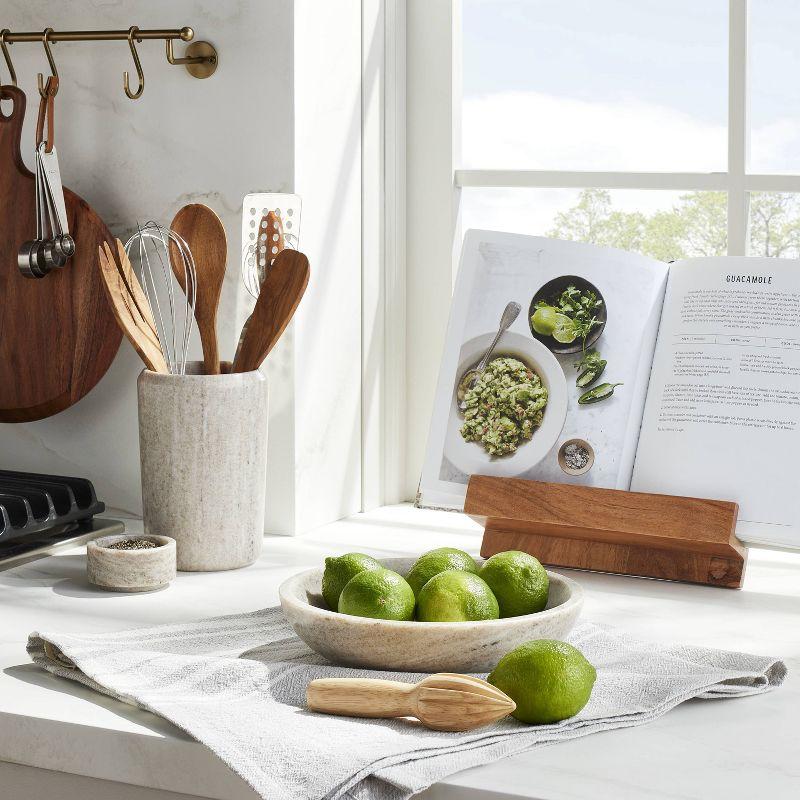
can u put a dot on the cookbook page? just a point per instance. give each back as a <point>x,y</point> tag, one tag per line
<point>723,407</point>
<point>525,406</point>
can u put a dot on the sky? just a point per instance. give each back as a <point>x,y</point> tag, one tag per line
<point>617,85</point>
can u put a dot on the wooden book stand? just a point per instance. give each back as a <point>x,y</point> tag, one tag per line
<point>630,533</point>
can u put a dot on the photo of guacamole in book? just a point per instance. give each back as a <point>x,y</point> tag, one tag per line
<point>504,407</point>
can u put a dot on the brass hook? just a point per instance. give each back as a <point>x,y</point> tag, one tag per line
<point>53,71</point>
<point>4,44</point>
<point>131,43</point>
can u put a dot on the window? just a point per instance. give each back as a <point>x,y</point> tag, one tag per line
<point>662,224</point>
<point>587,85</point>
<point>774,93</point>
<point>627,124</point>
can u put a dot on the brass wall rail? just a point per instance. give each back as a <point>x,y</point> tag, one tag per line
<point>200,58</point>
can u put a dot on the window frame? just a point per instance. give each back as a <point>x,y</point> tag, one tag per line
<point>383,260</point>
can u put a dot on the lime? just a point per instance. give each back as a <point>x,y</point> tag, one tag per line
<point>338,571</point>
<point>456,596</point>
<point>548,680</point>
<point>519,582</point>
<point>544,320</point>
<point>564,330</point>
<point>380,594</point>
<point>435,561</point>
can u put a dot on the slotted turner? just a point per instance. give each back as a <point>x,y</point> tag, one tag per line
<point>443,702</point>
<point>270,243</point>
<point>286,208</point>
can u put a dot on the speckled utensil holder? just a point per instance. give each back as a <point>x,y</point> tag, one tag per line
<point>203,446</point>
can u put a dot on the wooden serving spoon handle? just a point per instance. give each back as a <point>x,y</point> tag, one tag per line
<point>281,292</point>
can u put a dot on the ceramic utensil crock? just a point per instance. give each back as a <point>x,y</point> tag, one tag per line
<point>203,445</point>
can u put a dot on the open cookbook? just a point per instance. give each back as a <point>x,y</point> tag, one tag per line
<point>622,372</point>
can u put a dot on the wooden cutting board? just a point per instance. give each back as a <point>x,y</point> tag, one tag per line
<point>57,334</point>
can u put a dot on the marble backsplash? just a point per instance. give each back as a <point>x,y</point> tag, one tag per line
<point>185,140</point>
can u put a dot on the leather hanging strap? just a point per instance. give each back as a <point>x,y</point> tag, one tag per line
<point>46,110</point>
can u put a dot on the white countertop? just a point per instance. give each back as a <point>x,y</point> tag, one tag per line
<point>742,748</point>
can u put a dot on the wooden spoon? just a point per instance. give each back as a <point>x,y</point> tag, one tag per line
<point>281,292</point>
<point>130,320</point>
<point>443,702</point>
<point>204,233</point>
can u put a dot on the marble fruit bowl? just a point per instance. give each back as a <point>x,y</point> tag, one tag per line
<point>420,646</point>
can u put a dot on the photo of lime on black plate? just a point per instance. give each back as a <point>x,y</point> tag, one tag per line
<point>567,314</point>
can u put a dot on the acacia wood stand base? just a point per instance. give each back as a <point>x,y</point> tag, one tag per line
<point>606,530</point>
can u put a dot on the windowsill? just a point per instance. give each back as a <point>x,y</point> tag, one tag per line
<point>52,724</point>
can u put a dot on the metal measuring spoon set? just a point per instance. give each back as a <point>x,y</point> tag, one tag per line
<point>53,245</point>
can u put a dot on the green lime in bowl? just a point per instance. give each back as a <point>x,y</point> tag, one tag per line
<point>416,646</point>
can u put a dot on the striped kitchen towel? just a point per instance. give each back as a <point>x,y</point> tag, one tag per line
<point>237,684</point>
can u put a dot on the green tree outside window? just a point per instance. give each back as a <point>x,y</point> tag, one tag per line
<point>695,226</point>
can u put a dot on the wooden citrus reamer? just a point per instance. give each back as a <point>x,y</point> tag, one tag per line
<point>443,702</point>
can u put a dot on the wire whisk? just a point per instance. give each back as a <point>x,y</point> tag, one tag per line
<point>172,308</point>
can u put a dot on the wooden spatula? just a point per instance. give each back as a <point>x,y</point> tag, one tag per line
<point>134,288</point>
<point>281,292</point>
<point>443,702</point>
<point>271,228</point>
<point>204,233</point>
<point>130,320</point>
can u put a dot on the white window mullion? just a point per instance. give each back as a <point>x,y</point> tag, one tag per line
<point>667,181</point>
<point>432,131</point>
<point>772,183</point>
<point>383,253</point>
<point>372,250</point>
<point>564,179</point>
<point>738,129</point>
<point>394,378</point>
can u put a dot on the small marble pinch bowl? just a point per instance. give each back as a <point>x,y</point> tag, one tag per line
<point>130,570</point>
<point>562,457</point>
<point>420,646</point>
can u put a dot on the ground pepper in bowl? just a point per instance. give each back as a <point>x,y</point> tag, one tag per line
<point>504,407</point>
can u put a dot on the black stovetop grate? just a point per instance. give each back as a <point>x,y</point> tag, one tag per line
<point>32,505</point>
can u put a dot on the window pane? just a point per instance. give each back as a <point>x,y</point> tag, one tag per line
<point>774,87</point>
<point>664,225</point>
<point>580,84</point>
<point>774,225</point>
